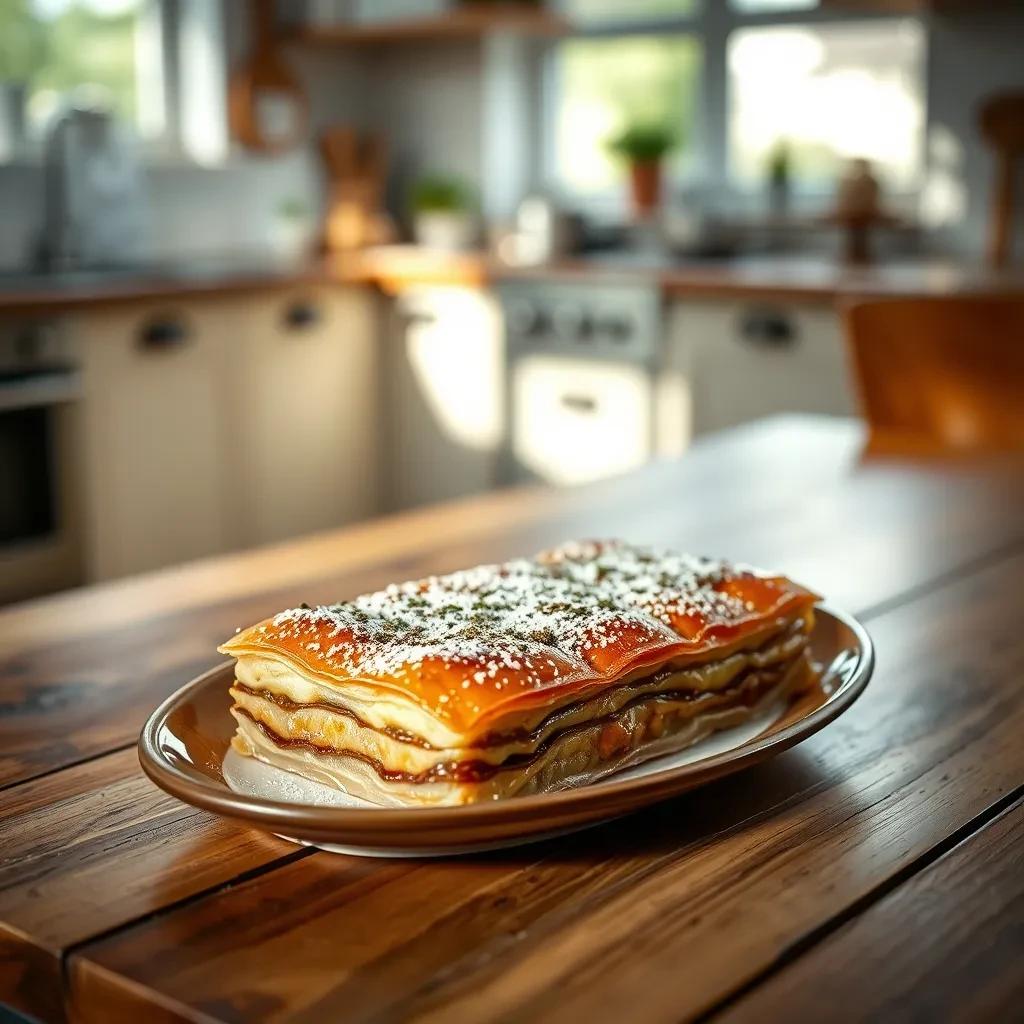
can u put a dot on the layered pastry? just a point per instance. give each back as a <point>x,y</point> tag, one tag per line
<point>520,678</point>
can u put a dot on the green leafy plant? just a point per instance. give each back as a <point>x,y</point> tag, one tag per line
<point>293,208</point>
<point>779,163</point>
<point>440,193</point>
<point>644,143</point>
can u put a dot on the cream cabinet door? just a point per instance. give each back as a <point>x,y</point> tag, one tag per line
<point>302,402</point>
<point>446,382</point>
<point>747,360</point>
<point>153,432</point>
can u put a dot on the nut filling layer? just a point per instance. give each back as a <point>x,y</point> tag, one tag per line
<point>518,678</point>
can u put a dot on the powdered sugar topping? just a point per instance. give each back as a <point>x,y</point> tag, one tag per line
<point>581,609</point>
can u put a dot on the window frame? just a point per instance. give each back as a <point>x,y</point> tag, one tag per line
<point>712,24</point>
<point>162,130</point>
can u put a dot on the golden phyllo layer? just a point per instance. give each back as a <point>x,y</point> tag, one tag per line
<point>519,677</point>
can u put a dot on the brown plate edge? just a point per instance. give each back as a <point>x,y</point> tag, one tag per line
<point>425,827</point>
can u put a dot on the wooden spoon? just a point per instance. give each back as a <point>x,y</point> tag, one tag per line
<point>267,108</point>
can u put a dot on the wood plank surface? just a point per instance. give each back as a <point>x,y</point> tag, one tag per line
<point>88,848</point>
<point>655,918</point>
<point>768,497</point>
<point>94,851</point>
<point>966,913</point>
<point>97,661</point>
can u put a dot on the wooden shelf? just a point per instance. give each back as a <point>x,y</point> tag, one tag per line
<point>468,22</point>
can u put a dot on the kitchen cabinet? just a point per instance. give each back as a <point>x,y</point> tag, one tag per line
<point>302,393</point>
<point>153,432</point>
<point>445,382</point>
<point>215,423</point>
<point>746,360</point>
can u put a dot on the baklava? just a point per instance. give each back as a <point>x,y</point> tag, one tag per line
<point>520,678</point>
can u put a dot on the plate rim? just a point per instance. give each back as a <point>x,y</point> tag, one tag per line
<point>279,815</point>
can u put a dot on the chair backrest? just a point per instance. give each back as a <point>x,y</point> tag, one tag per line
<point>940,375</point>
<point>1001,120</point>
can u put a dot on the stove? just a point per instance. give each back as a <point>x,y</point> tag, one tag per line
<point>589,382</point>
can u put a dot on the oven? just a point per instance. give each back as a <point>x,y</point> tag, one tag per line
<point>591,393</point>
<point>40,547</point>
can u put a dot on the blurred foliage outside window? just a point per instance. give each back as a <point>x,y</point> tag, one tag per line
<point>830,92</point>
<point>56,46</point>
<point>635,10</point>
<point>823,90</point>
<point>769,6</point>
<point>605,85</point>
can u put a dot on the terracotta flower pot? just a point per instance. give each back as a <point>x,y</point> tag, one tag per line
<point>645,176</point>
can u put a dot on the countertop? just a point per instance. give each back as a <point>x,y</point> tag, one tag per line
<point>874,867</point>
<point>41,293</point>
<point>394,268</point>
<point>799,278</point>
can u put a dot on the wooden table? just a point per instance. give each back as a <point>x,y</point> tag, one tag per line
<point>875,872</point>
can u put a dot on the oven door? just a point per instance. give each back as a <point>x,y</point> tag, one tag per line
<point>39,545</point>
<point>578,420</point>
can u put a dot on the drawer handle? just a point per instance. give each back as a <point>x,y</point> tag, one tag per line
<point>767,328</point>
<point>418,318</point>
<point>302,314</point>
<point>579,403</point>
<point>163,334</point>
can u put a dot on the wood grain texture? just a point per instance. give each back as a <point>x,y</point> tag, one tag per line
<point>945,374</point>
<point>86,849</point>
<point>93,850</point>
<point>79,673</point>
<point>654,918</point>
<point>102,658</point>
<point>767,496</point>
<point>966,913</point>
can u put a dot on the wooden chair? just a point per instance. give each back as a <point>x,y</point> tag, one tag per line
<point>1001,120</point>
<point>940,376</point>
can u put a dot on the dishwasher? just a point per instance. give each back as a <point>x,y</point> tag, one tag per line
<point>590,391</point>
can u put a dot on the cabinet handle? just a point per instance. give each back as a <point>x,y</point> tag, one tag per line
<point>768,328</point>
<point>418,317</point>
<point>579,403</point>
<point>163,333</point>
<point>301,314</point>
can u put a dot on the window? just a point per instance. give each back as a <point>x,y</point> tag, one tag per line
<point>53,47</point>
<point>735,79</point>
<point>583,11</point>
<point>126,55</point>
<point>771,6</point>
<point>606,83</point>
<point>827,92</point>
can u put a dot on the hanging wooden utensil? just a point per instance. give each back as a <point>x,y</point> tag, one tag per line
<point>1002,124</point>
<point>267,108</point>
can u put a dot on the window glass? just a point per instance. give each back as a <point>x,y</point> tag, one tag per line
<point>55,46</point>
<point>827,93</point>
<point>633,10</point>
<point>770,6</point>
<point>604,85</point>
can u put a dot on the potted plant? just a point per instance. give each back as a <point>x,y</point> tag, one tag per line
<point>442,210</point>
<point>292,229</point>
<point>779,176</point>
<point>644,147</point>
